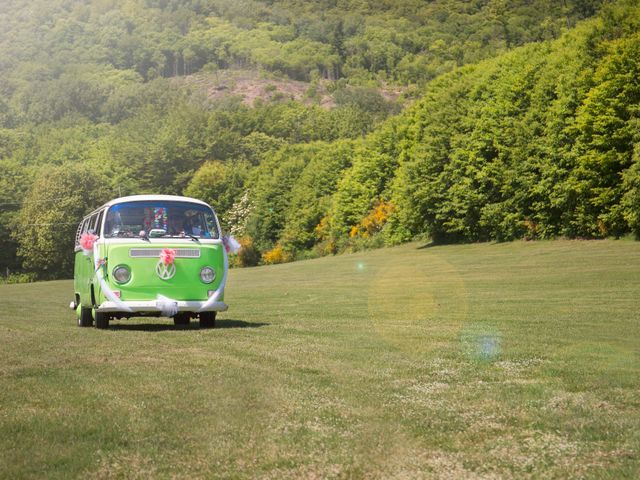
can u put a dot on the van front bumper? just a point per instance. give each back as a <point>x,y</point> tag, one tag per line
<point>152,306</point>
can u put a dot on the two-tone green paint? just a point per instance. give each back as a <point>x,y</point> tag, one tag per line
<point>144,283</point>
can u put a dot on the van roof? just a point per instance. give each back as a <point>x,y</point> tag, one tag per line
<point>141,198</point>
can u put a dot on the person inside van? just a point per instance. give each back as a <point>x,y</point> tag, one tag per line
<point>176,225</point>
<point>193,224</point>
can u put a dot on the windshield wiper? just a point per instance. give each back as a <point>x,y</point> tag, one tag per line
<point>192,237</point>
<point>145,237</point>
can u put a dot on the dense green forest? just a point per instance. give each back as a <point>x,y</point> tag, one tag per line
<point>516,119</point>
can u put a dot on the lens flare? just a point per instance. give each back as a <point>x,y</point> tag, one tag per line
<point>418,307</point>
<point>481,342</point>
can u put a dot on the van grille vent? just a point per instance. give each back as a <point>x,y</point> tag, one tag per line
<point>155,252</point>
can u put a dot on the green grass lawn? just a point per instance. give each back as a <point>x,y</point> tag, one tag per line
<point>476,361</point>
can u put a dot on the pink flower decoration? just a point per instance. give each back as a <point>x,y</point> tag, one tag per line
<point>87,240</point>
<point>167,256</point>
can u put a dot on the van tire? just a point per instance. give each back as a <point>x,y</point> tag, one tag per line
<point>102,319</point>
<point>181,319</point>
<point>85,319</point>
<point>208,319</point>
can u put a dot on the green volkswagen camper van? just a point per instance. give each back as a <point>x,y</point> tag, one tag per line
<point>149,255</point>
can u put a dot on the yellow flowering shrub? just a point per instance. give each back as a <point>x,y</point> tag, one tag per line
<point>374,221</point>
<point>276,255</point>
<point>248,255</point>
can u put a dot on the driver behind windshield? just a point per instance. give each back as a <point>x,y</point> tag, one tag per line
<point>176,224</point>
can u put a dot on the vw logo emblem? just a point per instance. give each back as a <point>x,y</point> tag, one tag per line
<point>165,272</point>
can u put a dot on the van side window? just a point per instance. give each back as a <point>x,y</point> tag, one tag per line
<point>93,222</point>
<point>78,233</point>
<point>82,228</point>
<point>98,222</point>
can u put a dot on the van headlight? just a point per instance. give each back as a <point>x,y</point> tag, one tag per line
<point>207,274</point>
<point>122,274</point>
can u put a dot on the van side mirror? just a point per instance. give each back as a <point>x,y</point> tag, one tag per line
<point>157,232</point>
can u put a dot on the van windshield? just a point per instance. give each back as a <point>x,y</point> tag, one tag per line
<point>160,219</point>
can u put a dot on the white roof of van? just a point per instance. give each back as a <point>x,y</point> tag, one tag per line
<point>142,198</point>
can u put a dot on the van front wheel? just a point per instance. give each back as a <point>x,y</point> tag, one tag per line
<point>85,319</point>
<point>102,319</point>
<point>207,319</point>
<point>181,319</point>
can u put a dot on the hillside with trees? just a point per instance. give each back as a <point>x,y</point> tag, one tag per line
<point>519,119</point>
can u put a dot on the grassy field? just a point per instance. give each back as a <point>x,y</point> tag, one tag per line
<point>476,361</point>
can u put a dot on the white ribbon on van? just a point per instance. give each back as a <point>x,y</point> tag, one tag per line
<point>231,245</point>
<point>103,285</point>
<point>167,306</point>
